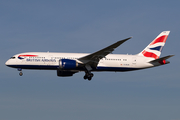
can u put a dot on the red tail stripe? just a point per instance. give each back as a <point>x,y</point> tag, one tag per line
<point>150,54</point>
<point>160,39</point>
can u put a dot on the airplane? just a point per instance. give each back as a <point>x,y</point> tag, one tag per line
<point>67,64</point>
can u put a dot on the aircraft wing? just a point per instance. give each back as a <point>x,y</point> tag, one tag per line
<point>94,58</point>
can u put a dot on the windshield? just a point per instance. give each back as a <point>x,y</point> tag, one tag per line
<point>12,57</point>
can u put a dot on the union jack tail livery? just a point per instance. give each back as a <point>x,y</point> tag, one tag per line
<point>153,50</point>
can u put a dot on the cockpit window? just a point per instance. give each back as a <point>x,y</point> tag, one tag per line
<point>12,57</point>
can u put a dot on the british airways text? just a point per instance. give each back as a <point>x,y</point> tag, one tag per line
<point>40,60</point>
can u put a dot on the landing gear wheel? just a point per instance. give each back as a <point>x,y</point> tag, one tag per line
<point>89,78</point>
<point>88,75</point>
<point>20,73</point>
<point>91,74</point>
<point>85,77</point>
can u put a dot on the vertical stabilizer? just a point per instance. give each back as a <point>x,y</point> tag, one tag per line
<point>153,50</point>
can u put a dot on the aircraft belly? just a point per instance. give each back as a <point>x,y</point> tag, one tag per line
<point>115,66</point>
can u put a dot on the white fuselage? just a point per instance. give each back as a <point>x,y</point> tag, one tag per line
<point>50,61</point>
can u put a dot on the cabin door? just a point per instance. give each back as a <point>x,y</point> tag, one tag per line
<point>134,61</point>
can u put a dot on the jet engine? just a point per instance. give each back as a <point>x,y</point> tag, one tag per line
<point>67,64</point>
<point>62,73</point>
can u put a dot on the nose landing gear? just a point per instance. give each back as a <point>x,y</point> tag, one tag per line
<point>19,69</point>
<point>20,73</point>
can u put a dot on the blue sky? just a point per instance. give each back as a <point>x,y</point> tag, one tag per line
<point>87,26</point>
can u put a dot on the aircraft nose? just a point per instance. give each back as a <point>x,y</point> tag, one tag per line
<point>7,63</point>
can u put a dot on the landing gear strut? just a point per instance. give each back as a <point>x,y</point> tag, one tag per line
<point>19,69</point>
<point>88,76</point>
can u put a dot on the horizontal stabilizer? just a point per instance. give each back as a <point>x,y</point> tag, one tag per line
<point>162,60</point>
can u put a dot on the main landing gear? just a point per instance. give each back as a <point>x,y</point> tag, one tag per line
<point>19,69</point>
<point>88,76</point>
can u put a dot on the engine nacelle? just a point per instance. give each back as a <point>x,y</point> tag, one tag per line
<point>62,73</point>
<point>67,64</point>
